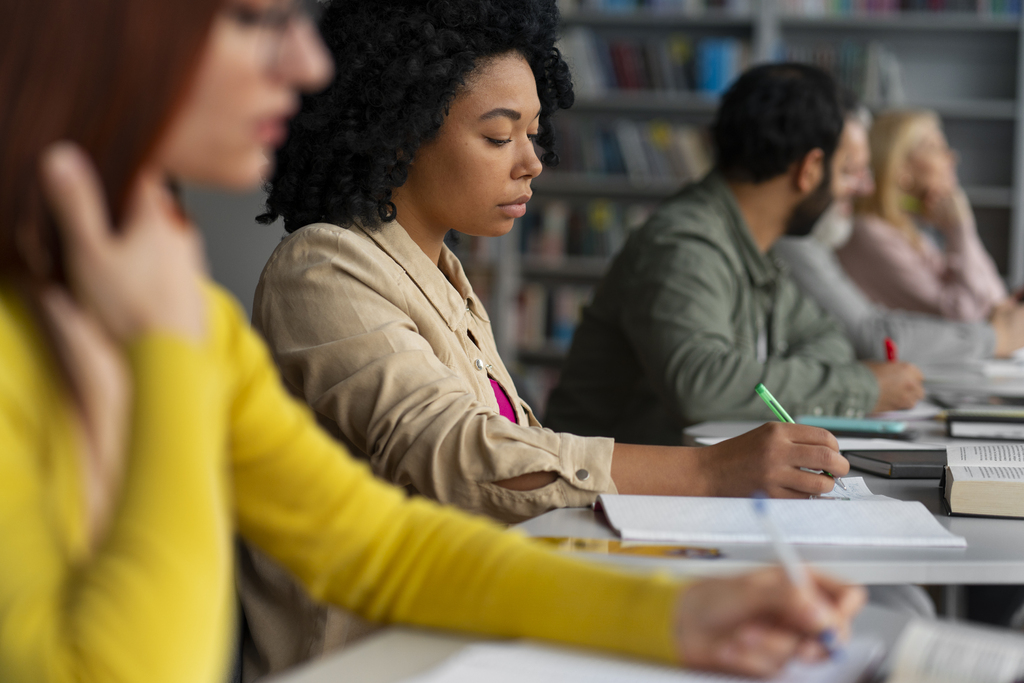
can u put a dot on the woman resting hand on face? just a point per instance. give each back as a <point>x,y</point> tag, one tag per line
<point>892,259</point>
<point>143,424</point>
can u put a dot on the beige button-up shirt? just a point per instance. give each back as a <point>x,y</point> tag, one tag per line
<point>395,354</point>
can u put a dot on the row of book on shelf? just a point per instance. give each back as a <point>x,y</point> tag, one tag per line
<point>642,150</point>
<point>794,7</point>
<point>677,63</point>
<point>547,316</point>
<point>884,7</point>
<point>687,7</point>
<point>598,228</point>
<point>674,63</point>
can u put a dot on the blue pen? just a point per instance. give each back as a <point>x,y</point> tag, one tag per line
<point>791,563</point>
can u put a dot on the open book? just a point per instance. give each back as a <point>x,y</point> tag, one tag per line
<point>986,479</point>
<point>867,521</point>
<point>942,652</point>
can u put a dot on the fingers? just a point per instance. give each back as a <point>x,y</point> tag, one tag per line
<point>76,197</point>
<point>803,434</point>
<point>757,650</point>
<point>805,483</point>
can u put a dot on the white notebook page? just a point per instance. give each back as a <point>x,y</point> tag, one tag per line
<point>531,663</point>
<point>670,519</point>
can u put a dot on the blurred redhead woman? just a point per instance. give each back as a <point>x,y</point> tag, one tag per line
<point>142,423</point>
<point>890,257</point>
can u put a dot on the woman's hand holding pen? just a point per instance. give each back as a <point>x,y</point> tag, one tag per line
<point>754,624</point>
<point>900,385</point>
<point>773,458</point>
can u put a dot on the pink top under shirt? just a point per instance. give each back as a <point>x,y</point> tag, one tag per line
<point>504,405</point>
<point>960,284</point>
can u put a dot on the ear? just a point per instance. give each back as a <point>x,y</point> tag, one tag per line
<point>809,171</point>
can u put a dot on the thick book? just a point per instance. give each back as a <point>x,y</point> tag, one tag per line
<point>985,423</point>
<point>985,480</point>
<point>899,464</point>
<point>930,651</point>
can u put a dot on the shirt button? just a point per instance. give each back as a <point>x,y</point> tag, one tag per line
<point>582,475</point>
<point>479,364</point>
<point>851,412</point>
<point>817,410</point>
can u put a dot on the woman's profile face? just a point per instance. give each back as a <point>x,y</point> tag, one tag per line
<point>474,177</point>
<point>930,167</point>
<point>259,56</point>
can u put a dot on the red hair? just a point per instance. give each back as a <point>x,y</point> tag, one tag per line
<point>106,74</point>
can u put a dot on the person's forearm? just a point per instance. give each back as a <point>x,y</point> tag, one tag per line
<point>657,471</point>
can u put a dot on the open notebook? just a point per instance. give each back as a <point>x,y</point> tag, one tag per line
<point>872,522</point>
<point>519,662</point>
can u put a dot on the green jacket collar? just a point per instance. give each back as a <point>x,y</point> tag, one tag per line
<point>760,268</point>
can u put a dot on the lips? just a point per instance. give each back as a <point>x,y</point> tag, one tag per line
<point>517,207</point>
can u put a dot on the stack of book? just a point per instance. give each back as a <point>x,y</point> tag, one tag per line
<point>676,63</point>
<point>651,150</point>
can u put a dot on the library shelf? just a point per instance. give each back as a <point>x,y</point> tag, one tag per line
<point>569,184</point>
<point>640,19</point>
<point>647,102</point>
<point>906,21</point>
<point>564,269</point>
<point>655,102</point>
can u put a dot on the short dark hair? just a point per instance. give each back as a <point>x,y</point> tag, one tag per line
<point>772,116</point>
<point>400,65</point>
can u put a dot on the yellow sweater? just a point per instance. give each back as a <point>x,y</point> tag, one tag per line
<point>218,445</point>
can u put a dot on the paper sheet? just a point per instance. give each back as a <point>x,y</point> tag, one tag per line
<point>856,489</point>
<point>530,663</point>
<point>670,519</point>
<point>1005,454</point>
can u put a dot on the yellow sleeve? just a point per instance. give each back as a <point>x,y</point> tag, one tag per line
<point>360,543</point>
<point>153,603</point>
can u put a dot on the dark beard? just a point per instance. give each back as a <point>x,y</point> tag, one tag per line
<point>807,212</point>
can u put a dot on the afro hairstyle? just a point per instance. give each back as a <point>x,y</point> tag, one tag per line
<point>400,64</point>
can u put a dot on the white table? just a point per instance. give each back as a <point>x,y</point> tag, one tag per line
<point>396,654</point>
<point>994,553</point>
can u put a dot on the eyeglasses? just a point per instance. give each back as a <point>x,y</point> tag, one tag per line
<point>274,21</point>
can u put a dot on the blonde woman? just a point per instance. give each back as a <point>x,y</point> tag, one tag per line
<point>890,256</point>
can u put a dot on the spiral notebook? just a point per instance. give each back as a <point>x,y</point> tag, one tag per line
<point>874,522</point>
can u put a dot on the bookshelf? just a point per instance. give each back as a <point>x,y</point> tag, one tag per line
<point>965,62</point>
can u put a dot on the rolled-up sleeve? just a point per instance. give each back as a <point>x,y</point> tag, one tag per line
<point>338,322</point>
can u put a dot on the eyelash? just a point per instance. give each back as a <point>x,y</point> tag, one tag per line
<point>499,143</point>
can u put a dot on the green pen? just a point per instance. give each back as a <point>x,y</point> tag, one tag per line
<point>783,416</point>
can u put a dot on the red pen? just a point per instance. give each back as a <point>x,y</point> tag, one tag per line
<point>891,352</point>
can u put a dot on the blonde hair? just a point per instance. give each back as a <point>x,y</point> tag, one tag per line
<point>893,136</point>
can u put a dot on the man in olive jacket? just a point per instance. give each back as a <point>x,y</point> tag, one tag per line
<point>695,311</point>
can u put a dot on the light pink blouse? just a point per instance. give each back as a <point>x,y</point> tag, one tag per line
<point>960,284</point>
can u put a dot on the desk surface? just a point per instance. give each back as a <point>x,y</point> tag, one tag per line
<point>396,654</point>
<point>994,553</point>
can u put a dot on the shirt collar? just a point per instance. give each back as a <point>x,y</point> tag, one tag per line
<point>445,285</point>
<point>761,268</point>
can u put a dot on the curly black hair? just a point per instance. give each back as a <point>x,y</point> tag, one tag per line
<point>400,64</point>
